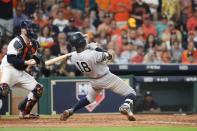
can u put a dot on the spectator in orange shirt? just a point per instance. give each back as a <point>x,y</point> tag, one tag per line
<point>66,9</point>
<point>121,9</point>
<point>15,3</point>
<point>192,22</point>
<point>148,27</point>
<point>38,18</point>
<point>104,4</point>
<point>139,57</point>
<point>189,56</point>
<point>77,15</point>
<point>114,29</point>
<point>68,14</point>
<point>67,2</point>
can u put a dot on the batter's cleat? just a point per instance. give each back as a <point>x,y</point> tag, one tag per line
<point>66,114</point>
<point>125,109</point>
<point>28,116</point>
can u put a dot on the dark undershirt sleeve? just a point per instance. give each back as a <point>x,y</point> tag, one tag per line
<point>16,62</point>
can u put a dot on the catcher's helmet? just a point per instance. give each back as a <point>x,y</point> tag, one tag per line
<point>77,39</point>
<point>31,28</point>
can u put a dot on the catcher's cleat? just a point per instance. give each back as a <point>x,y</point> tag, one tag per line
<point>126,110</point>
<point>28,116</point>
<point>66,114</point>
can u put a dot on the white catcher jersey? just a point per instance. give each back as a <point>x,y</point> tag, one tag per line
<point>90,63</point>
<point>12,76</point>
<point>10,50</point>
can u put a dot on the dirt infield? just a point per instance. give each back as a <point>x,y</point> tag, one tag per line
<point>102,120</point>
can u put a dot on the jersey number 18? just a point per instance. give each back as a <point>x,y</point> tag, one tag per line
<point>83,66</point>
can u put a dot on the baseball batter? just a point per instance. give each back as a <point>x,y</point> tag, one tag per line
<point>91,64</point>
<point>21,54</point>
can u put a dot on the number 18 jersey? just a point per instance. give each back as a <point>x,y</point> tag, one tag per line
<point>90,63</point>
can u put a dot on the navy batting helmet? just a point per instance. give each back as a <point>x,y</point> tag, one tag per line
<point>77,39</point>
<point>31,28</point>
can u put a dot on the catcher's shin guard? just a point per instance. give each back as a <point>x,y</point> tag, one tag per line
<point>28,103</point>
<point>22,104</point>
<point>25,108</point>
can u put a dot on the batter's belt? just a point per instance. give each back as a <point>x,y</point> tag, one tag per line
<point>100,76</point>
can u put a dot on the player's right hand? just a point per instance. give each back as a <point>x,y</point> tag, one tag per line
<point>30,62</point>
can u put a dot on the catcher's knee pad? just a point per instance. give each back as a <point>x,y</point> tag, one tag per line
<point>4,90</point>
<point>38,90</point>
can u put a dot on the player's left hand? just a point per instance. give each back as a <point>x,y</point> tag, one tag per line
<point>109,56</point>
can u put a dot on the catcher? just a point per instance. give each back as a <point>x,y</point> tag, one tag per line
<point>21,54</point>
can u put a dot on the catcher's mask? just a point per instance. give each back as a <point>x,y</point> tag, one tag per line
<point>31,28</point>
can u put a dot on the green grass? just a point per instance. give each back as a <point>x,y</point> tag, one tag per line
<point>105,129</point>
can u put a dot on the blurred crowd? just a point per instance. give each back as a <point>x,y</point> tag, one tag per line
<point>134,31</point>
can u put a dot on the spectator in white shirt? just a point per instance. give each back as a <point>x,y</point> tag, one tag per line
<point>60,21</point>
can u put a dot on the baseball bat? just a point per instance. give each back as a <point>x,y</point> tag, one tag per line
<point>56,59</point>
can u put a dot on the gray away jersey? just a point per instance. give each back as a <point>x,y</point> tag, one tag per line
<point>90,63</point>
